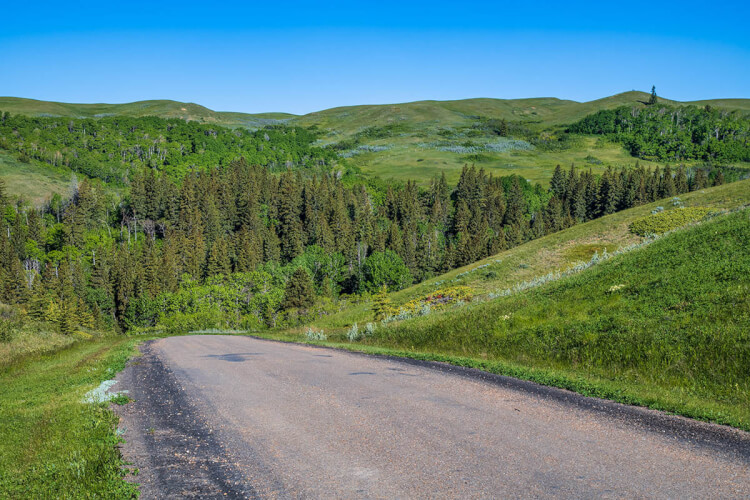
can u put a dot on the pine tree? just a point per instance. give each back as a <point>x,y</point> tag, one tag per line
<point>681,181</point>
<point>299,292</point>
<point>559,183</point>
<point>290,224</point>
<point>700,180</point>
<point>667,188</point>
<point>652,99</point>
<point>719,178</point>
<point>218,258</point>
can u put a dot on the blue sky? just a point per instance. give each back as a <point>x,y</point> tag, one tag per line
<point>302,56</point>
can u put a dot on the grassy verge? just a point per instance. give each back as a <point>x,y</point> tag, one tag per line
<point>666,326</point>
<point>53,445</point>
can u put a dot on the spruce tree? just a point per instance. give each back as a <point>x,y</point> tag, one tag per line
<point>218,258</point>
<point>559,183</point>
<point>299,292</point>
<point>652,99</point>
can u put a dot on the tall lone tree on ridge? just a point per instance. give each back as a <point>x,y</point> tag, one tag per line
<point>652,100</point>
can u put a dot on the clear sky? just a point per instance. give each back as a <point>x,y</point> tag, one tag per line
<point>306,56</point>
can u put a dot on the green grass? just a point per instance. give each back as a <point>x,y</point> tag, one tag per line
<point>406,161</point>
<point>671,320</point>
<point>53,445</point>
<point>33,181</point>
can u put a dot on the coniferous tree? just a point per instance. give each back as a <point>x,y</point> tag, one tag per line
<point>299,292</point>
<point>218,258</point>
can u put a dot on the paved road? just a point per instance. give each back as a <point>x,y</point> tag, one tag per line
<point>227,416</point>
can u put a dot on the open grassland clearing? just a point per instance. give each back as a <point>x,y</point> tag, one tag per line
<point>33,181</point>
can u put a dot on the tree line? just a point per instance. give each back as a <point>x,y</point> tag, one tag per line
<point>243,247</point>
<point>669,133</point>
<point>113,148</point>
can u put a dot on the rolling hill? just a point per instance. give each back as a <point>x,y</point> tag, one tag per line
<point>161,108</point>
<point>416,140</point>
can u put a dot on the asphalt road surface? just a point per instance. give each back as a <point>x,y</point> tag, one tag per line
<point>238,417</point>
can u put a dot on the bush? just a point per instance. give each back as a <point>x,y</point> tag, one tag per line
<point>9,324</point>
<point>661,222</point>
<point>385,268</point>
<point>353,333</point>
<point>313,334</point>
<point>7,330</point>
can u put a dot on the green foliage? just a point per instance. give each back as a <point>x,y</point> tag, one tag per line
<point>299,291</point>
<point>110,148</point>
<point>674,133</point>
<point>661,222</point>
<point>384,269</point>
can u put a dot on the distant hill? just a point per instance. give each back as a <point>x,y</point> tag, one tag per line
<point>543,110</point>
<point>417,140</point>
<point>162,108</point>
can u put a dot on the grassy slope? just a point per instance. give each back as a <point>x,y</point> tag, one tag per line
<point>33,181</point>
<point>543,110</point>
<point>557,251</point>
<point>675,337</point>
<point>53,445</point>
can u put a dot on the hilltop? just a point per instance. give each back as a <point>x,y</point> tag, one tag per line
<point>547,111</point>
<point>161,108</point>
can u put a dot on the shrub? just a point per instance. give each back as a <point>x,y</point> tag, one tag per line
<point>385,268</point>
<point>353,333</point>
<point>7,330</point>
<point>663,221</point>
<point>313,334</point>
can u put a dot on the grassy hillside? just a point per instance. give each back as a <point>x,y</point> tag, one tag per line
<point>665,325</point>
<point>418,140</point>
<point>33,181</point>
<point>555,252</point>
<point>547,111</point>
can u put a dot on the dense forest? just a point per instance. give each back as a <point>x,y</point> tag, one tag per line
<point>112,148</point>
<point>239,246</point>
<point>669,133</point>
